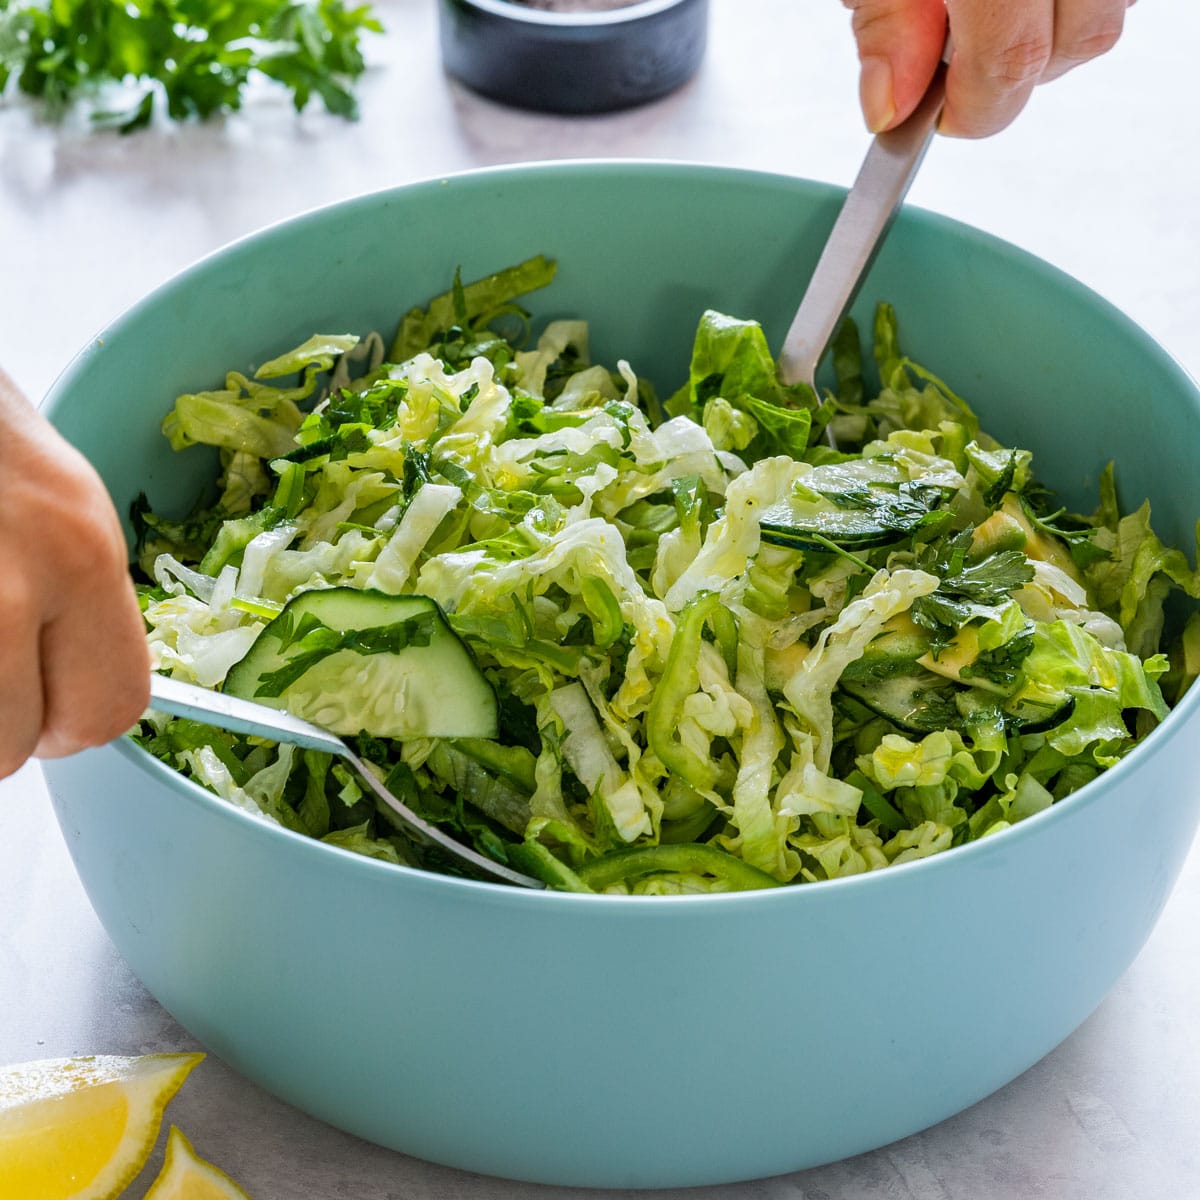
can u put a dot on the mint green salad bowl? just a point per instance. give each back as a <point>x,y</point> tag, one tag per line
<point>611,1041</point>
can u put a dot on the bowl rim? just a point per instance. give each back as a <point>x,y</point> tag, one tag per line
<point>1062,810</point>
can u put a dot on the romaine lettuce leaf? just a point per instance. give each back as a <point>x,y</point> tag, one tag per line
<point>731,360</point>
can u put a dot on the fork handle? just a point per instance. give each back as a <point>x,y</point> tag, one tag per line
<point>870,206</point>
<point>239,716</point>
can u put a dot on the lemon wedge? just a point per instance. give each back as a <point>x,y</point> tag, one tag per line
<point>186,1176</point>
<point>81,1128</point>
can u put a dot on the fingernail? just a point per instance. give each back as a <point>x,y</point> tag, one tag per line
<point>946,128</point>
<point>875,91</point>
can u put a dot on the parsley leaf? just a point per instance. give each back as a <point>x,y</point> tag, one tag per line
<point>1003,664</point>
<point>194,56</point>
<point>310,641</point>
<point>992,580</point>
<point>966,587</point>
<point>908,509</point>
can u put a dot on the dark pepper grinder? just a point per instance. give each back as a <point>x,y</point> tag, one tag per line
<point>573,56</point>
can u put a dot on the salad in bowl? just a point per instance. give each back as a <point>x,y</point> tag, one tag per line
<point>646,644</point>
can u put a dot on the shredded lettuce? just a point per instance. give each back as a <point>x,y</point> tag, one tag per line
<point>726,656</point>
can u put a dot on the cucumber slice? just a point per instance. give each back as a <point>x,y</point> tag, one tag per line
<point>356,661</point>
<point>916,701</point>
<point>863,503</point>
<point>888,679</point>
<point>897,650</point>
<point>806,526</point>
<point>901,640</point>
<point>892,678</point>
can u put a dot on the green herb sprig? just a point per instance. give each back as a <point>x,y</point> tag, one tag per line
<point>315,641</point>
<point>194,56</point>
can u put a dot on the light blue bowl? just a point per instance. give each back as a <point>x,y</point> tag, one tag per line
<point>635,1042</point>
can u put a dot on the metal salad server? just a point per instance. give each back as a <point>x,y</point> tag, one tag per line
<point>244,716</point>
<point>883,181</point>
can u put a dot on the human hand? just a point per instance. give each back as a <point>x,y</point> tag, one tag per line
<point>74,667</point>
<point>1002,50</point>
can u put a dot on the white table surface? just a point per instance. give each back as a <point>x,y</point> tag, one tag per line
<point>1099,176</point>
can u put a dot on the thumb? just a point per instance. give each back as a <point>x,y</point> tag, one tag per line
<point>899,46</point>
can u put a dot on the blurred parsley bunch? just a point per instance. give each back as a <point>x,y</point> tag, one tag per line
<point>197,55</point>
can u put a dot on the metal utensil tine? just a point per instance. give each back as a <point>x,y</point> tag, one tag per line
<point>432,832</point>
<point>244,716</point>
